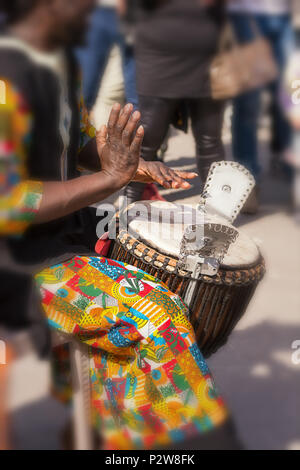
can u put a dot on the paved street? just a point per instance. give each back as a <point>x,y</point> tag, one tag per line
<point>254,370</point>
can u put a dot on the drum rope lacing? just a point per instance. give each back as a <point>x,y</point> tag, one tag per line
<point>172,266</point>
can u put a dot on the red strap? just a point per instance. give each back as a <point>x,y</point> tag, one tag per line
<point>103,245</point>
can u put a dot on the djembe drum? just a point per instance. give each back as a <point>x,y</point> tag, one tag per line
<point>150,237</point>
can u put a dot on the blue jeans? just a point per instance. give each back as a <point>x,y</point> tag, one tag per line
<point>246,108</point>
<point>103,34</point>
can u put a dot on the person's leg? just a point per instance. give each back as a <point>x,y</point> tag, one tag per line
<point>111,91</point>
<point>93,57</point>
<point>129,72</point>
<point>157,114</point>
<point>207,121</point>
<point>278,29</point>
<point>244,131</point>
<point>245,108</point>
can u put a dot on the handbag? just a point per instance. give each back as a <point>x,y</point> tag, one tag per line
<point>242,67</point>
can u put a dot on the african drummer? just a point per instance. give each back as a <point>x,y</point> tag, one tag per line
<point>151,387</point>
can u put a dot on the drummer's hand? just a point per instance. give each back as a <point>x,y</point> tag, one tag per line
<point>119,145</point>
<point>157,172</point>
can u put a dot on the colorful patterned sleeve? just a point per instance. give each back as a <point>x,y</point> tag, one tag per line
<point>20,198</point>
<point>87,130</point>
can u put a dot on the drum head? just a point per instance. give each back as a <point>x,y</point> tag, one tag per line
<point>160,225</point>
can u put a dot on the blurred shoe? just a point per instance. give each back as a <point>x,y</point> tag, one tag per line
<point>163,150</point>
<point>151,193</point>
<point>252,204</point>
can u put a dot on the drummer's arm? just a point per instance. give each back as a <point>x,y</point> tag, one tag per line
<point>24,202</point>
<point>118,147</point>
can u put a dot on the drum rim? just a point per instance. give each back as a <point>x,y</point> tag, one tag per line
<point>226,267</point>
<point>226,275</point>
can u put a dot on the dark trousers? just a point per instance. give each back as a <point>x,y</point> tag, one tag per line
<point>207,119</point>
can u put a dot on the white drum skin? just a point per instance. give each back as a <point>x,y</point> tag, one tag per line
<point>160,225</point>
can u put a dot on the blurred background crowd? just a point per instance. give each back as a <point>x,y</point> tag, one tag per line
<point>160,56</point>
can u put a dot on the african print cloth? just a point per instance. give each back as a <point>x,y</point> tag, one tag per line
<point>150,384</point>
<point>20,198</point>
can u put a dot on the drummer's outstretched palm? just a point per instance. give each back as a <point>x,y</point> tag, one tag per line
<point>119,144</point>
<point>158,172</point>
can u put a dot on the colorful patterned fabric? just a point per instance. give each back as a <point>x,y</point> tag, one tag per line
<point>150,384</point>
<point>87,130</point>
<point>19,198</point>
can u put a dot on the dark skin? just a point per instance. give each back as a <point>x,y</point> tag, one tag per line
<point>115,153</point>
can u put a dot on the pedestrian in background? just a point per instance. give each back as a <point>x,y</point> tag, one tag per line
<point>271,19</point>
<point>103,37</point>
<point>175,43</point>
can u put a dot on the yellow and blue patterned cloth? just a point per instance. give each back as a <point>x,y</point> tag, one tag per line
<point>150,383</point>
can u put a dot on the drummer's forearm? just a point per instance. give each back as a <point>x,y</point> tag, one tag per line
<point>63,198</point>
